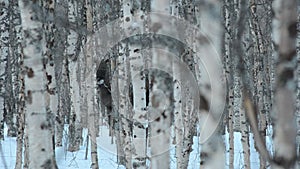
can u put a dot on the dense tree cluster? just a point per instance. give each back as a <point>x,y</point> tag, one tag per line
<point>157,73</point>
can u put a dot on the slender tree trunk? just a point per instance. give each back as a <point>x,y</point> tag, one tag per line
<point>7,51</point>
<point>93,122</point>
<point>21,123</point>
<point>212,150</point>
<point>228,18</point>
<point>259,54</point>
<point>178,113</point>
<point>160,95</point>
<point>91,83</point>
<point>26,150</point>
<point>285,32</point>
<point>73,38</point>
<point>60,36</point>
<point>139,145</point>
<point>14,51</point>
<point>125,106</point>
<point>18,78</point>
<point>245,136</point>
<point>21,116</point>
<point>4,31</point>
<point>178,116</point>
<point>139,113</point>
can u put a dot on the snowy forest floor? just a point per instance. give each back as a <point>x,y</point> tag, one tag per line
<point>107,152</point>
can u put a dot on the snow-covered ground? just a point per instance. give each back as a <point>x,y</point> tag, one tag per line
<point>107,153</point>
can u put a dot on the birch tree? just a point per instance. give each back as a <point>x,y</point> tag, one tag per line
<point>73,54</point>
<point>160,95</point>
<point>124,104</point>
<point>285,33</point>
<point>139,145</point>
<point>49,68</point>
<point>18,81</point>
<point>13,70</point>
<point>60,39</point>
<point>260,56</point>
<point>210,25</point>
<point>228,19</point>
<point>40,143</point>
<point>4,19</point>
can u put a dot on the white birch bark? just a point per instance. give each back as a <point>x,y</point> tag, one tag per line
<point>210,17</point>
<point>227,10</point>
<point>48,53</point>
<point>26,151</point>
<point>139,113</point>
<point>21,122</point>
<point>93,121</point>
<point>159,97</point>
<point>285,32</point>
<point>139,145</point>
<point>120,84</point>
<point>15,52</point>
<point>60,36</point>
<point>75,108</point>
<point>178,116</point>
<point>245,137</point>
<point>8,52</point>
<point>91,85</point>
<point>124,106</point>
<point>40,143</point>
<point>4,30</point>
<point>75,127</point>
<point>187,10</point>
<point>259,53</point>
<point>21,90</point>
<point>62,104</point>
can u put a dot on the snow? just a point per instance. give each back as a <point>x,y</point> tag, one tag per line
<point>107,152</point>
<point>65,159</point>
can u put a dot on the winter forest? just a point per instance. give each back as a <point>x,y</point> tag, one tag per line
<point>136,84</point>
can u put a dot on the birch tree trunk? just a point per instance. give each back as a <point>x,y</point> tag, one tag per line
<point>73,14</point>
<point>285,32</point>
<point>124,106</point>
<point>245,133</point>
<point>139,145</point>
<point>40,143</point>
<point>161,92</point>
<point>60,36</point>
<point>178,113</point>
<point>21,87</point>
<point>189,115</point>
<point>8,46</point>
<point>75,128</point>
<point>26,149</point>
<point>21,121</point>
<point>228,18</point>
<point>91,85</point>
<point>259,54</point>
<point>212,150</point>
<point>4,30</point>
<point>15,52</point>
<point>139,113</point>
<point>93,121</point>
<point>48,53</point>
